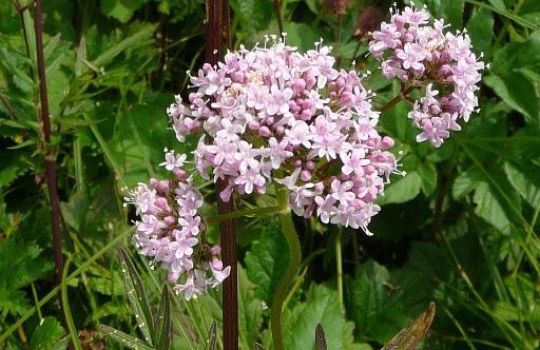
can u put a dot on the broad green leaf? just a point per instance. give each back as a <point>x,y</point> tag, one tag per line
<point>402,189</point>
<point>321,307</point>
<point>489,208</point>
<point>428,173</point>
<point>267,260</point>
<point>123,339</point>
<point>21,263</point>
<point>518,92</point>
<point>255,15</point>
<point>480,28</point>
<point>451,11</point>
<point>375,296</point>
<point>121,10</point>
<point>498,4</point>
<point>466,182</point>
<point>300,35</point>
<point>526,180</point>
<point>48,335</point>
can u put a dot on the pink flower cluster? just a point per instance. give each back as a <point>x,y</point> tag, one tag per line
<point>421,54</point>
<point>275,114</point>
<point>170,230</point>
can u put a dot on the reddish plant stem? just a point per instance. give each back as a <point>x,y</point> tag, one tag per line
<point>49,153</point>
<point>217,39</point>
<point>403,95</point>
<point>277,13</point>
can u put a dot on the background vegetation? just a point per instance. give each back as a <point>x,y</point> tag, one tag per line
<point>460,229</point>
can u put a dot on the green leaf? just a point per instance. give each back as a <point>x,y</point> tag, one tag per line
<point>267,260</point>
<point>525,178</point>
<point>466,182</point>
<point>139,39</point>
<point>250,311</point>
<point>480,28</point>
<point>403,189</point>
<point>451,11</point>
<point>518,92</point>
<point>321,307</point>
<point>428,173</point>
<point>122,10</point>
<point>164,323</point>
<point>48,335</point>
<point>123,339</point>
<point>20,265</point>
<point>137,296</point>
<point>212,342</point>
<point>255,15</point>
<point>489,208</point>
<point>300,35</point>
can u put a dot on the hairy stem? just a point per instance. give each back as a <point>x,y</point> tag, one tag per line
<point>295,255</point>
<point>49,153</point>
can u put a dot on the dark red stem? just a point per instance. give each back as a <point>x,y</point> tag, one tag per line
<point>277,13</point>
<point>403,95</point>
<point>217,40</point>
<point>49,153</point>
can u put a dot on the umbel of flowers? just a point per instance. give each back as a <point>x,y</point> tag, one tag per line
<point>273,114</point>
<point>419,52</point>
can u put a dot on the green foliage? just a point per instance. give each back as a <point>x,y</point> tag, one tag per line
<point>20,265</point>
<point>460,228</point>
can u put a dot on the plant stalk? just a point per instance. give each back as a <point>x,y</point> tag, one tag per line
<point>295,255</point>
<point>49,152</point>
<point>217,39</point>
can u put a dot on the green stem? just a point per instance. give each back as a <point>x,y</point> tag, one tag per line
<point>67,309</point>
<point>339,270</point>
<point>242,213</point>
<point>294,264</point>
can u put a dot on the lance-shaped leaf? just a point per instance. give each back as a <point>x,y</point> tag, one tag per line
<point>124,339</point>
<point>163,323</point>
<point>411,336</point>
<point>137,296</point>
<point>212,344</point>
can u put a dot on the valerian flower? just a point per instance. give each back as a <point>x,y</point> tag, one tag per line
<point>423,55</point>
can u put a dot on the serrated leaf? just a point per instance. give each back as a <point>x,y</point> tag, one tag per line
<point>466,182</point>
<point>410,337</point>
<point>20,264</point>
<point>321,307</point>
<point>526,180</point>
<point>123,339</point>
<point>137,296</point>
<point>480,28</point>
<point>489,208</point>
<point>267,260</point>
<point>48,335</point>
<point>402,189</point>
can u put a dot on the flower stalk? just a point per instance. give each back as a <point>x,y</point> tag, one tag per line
<point>295,256</point>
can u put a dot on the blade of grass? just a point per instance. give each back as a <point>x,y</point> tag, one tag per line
<point>67,309</point>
